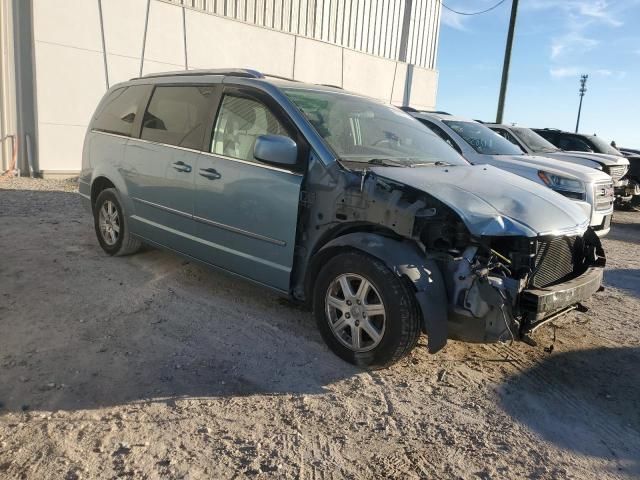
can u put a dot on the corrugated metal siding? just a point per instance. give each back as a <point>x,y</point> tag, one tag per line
<point>371,26</point>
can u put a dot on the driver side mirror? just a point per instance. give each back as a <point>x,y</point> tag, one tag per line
<point>276,149</point>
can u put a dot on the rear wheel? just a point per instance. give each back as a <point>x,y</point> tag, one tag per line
<point>366,314</point>
<point>111,225</point>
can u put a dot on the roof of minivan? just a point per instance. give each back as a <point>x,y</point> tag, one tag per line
<point>245,74</point>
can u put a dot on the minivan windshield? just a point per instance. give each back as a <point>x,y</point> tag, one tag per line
<point>535,142</point>
<point>367,131</point>
<point>482,139</point>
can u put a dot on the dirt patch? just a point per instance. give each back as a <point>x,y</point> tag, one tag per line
<point>152,367</point>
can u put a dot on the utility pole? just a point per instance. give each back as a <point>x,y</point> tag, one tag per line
<point>581,92</point>
<point>507,61</point>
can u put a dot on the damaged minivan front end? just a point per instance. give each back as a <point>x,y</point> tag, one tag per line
<point>509,266</point>
<point>491,255</point>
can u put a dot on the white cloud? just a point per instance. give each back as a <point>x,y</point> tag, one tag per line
<point>453,20</point>
<point>576,71</point>
<point>599,11</point>
<point>571,44</point>
<point>564,72</point>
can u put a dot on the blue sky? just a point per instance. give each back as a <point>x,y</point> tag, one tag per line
<point>555,42</point>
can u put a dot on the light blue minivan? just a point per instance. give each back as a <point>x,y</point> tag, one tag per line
<point>338,201</point>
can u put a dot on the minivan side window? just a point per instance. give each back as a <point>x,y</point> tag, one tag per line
<point>118,112</point>
<point>241,120</point>
<point>177,115</point>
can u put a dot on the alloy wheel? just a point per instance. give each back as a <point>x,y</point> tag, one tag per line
<point>109,223</point>
<point>355,312</point>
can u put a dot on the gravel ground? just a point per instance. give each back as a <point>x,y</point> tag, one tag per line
<point>152,367</point>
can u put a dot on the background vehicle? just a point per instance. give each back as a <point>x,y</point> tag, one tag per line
<point>629,151</point>
<point>627,187</point>
<point>591,188</point>
<point>532,143</point>
<point>336,200</point>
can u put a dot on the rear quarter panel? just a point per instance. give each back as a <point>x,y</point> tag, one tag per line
<point>102,157</point>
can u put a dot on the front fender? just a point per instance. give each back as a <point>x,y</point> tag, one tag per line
<point>405,259</point>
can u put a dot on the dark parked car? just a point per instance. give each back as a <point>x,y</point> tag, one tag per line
<point>579,142</point>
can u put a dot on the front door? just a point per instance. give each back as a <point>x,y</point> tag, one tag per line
<point>159,166</point>
<point>246,210</point>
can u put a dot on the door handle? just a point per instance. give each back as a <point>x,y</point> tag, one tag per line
<point>182,167</point>
<point>210,173</point>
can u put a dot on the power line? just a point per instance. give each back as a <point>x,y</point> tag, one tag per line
<point>472,13</point>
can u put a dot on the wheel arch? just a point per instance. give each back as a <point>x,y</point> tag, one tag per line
<point>404,258</point>
<point>97,186</point>
<point>108,177</point>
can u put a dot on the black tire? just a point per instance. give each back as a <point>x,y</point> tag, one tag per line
<point>125,243</point>
<point>402,315</point>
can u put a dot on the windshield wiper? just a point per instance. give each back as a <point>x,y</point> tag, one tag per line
<point>387,162</point>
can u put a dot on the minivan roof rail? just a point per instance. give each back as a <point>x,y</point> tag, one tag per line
<point>279,77</point>
<point>405,108</point>
<point>231,72</point>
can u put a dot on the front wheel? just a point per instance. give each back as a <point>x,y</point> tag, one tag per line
<point>366,313</point>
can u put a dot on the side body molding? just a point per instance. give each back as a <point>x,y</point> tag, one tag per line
<point>405,259</point>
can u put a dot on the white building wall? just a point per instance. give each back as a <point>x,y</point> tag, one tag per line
<point>370,26</point>
<point>71,76</point>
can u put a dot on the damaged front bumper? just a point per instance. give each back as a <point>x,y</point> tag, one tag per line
<point>493,309</point>
<point>537,306</point>
<point>540,303</point>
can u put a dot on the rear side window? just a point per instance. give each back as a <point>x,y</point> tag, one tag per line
<point>240,122</point>
<point>178,115</point>
<point>118,113</point>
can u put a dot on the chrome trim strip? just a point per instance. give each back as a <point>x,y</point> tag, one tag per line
<point>208,154</point>
<point>109,134</point>
<point>205,221</point>
<point>253,164</point>
<point>246,233</point>
<point>162,207</point>
<point>176,147</point>
<point>211,244</point>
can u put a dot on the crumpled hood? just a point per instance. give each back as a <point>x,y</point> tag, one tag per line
<point>493,202</point>
<point>550,165</point>
<point>601,158</point>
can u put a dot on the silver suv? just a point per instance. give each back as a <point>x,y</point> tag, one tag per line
<point>335,200</point>
<point>590,188</point>
<point>532,143</point>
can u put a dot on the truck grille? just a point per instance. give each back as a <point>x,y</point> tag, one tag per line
<point>604,195</point>
<point>616,172</point>
<point>554,261</point>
